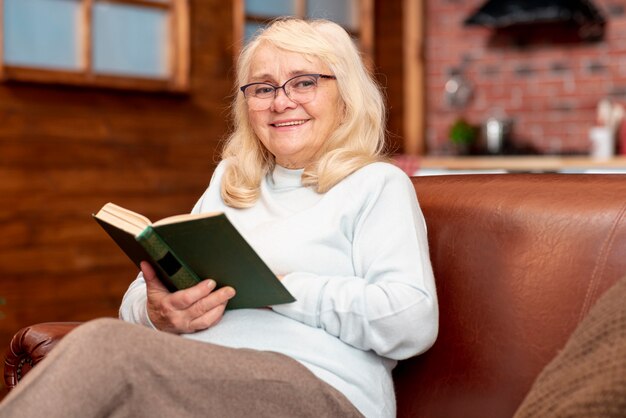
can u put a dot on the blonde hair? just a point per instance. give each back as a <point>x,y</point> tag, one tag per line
<point>357,141</point>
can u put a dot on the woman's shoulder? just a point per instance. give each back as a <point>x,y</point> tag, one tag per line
<point>212,194</point>
<point>221,165</point>
<point>219,170</point>
<point>375,178</point>
<point>385,171</point>
<point>376,184</point>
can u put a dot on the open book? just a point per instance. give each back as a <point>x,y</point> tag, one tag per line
<point>186,249</point>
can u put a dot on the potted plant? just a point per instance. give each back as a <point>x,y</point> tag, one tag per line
<point>463,135</point>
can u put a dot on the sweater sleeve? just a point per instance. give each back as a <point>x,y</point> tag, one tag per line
<point>133,307</point>
<point>390,305</point>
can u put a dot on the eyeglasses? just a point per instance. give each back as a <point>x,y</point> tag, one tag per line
<point>300,89</point>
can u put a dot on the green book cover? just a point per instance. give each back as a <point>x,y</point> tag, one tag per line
<point>186,249</point>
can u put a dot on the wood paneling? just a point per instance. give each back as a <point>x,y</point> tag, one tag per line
<point>388,58</point>
<point>65,151</point>
<point>413,76</point>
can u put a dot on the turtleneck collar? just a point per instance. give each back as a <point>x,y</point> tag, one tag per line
<point>282,177</point>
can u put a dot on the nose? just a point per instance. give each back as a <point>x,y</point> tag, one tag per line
<point>282,101</point>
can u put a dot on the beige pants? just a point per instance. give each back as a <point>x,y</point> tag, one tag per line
<point>109,368</point>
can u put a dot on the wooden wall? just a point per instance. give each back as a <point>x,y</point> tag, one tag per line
<point>65,151</point>
<point>388,59</point>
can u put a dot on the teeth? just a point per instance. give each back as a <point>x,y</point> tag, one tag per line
<point>295,122</point>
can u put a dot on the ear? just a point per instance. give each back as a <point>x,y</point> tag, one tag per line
<point>344,111</point>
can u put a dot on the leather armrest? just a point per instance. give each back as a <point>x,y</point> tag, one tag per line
<point>29,346</point>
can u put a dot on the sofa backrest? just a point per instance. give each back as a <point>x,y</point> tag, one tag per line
<point>519,259</point>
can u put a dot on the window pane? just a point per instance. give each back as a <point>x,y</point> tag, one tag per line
<point>42,33</point>
<point>251,30</point>
<point>344,12</point>
<point>271,8</point>
<point>130,40</point>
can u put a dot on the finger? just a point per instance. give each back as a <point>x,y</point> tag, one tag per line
<point>195,317</point>
<point>203,314</point>
<point>209,318</point>
<point>152,281</point>
<point>184,299</point>
<point>216,298</point>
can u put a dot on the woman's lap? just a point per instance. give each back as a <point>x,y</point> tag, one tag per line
<point>107,367</point>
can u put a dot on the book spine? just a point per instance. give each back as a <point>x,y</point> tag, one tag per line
<point>178,273</point>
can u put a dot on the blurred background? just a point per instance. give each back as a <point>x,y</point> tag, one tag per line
<point>128,101</point>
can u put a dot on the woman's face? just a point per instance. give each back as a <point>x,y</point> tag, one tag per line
<point>292,132</point>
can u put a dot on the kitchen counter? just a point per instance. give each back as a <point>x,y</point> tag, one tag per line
<point>578,164</point>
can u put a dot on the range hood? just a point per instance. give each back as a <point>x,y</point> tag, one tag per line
<point>498,14</point>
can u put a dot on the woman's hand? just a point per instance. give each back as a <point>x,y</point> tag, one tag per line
<point>185,311</point>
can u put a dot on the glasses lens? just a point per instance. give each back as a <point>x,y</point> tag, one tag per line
<point>259,90</point>
<point>259,95</point>
<point>302,89</point>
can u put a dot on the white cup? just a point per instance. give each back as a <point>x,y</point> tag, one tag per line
<point>602,142</point>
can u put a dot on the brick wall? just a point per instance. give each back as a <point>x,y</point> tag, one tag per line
<point>547,83</point>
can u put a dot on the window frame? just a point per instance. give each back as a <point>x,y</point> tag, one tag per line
<point>178,54</point>
<point>365,33</point>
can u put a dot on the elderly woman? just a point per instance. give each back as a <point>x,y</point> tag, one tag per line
<point>303,179</point>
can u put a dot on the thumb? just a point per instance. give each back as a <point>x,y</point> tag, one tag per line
<point>152,281</point>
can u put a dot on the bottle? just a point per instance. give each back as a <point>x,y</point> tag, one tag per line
<point>620,140</point>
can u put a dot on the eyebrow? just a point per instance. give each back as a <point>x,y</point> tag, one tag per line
<point>268,77</point>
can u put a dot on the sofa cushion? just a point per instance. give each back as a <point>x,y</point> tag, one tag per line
<point>588,377</point>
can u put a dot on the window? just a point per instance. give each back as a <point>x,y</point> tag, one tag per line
<point>356,16</point>
<point>135,44</point>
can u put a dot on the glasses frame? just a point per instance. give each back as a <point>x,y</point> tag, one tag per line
<point>276,88</point>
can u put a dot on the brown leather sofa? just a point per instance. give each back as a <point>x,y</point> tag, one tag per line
<point>519,260</point>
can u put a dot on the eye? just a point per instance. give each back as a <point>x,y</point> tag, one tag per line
<point>261,90</point>
<point>304,83</point>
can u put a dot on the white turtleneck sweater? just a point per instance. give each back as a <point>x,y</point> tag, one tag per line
<point>355,258</point>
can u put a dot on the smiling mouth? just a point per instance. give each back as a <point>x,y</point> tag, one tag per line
<point>290,123</point>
